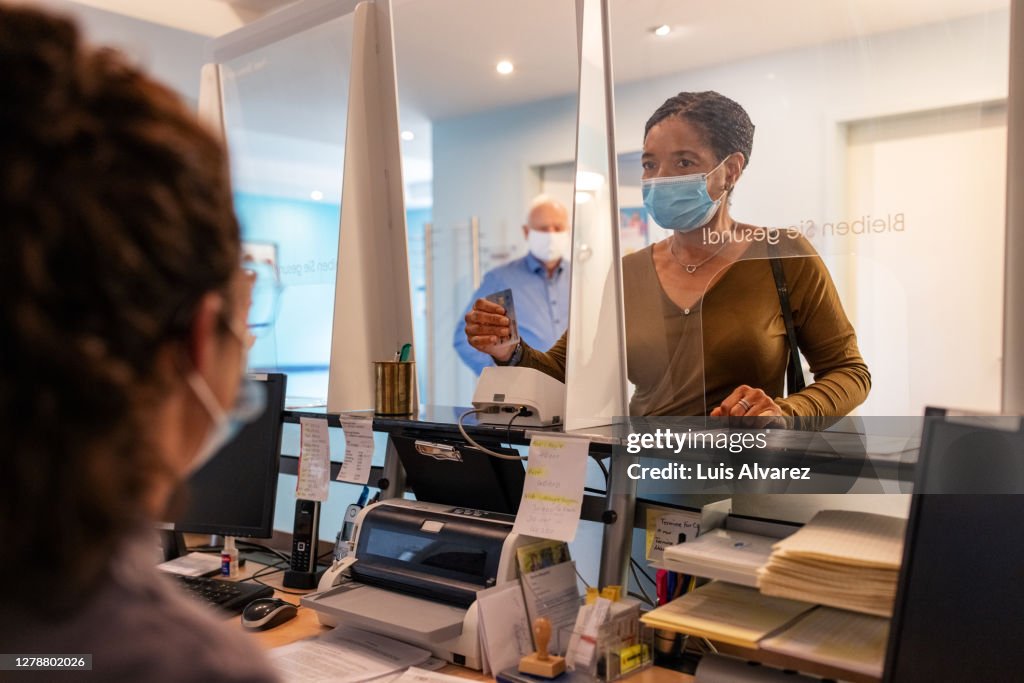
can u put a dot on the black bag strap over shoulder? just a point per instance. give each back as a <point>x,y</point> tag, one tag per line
<point>794,373</point>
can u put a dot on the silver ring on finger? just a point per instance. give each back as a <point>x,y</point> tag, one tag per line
<point>746,406</point>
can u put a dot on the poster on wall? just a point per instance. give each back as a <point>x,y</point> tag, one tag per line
<point>632,229</point>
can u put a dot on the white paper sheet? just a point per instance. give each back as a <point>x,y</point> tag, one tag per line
<point>553,491</point>
<point>417,675</point>
<point>193,564</point>
<point>505,634</point>
<point>583,644</point>
<point>666,528</point>
<point>552,593</point>
<point>344,655</point>
<point>314,460</point>
<point>846,640</point>
<point>358,448</point>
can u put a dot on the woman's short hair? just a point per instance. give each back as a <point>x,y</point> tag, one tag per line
<point>117,214</point>
<point>725,124</point>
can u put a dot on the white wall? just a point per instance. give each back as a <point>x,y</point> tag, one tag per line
<point>797,99</point>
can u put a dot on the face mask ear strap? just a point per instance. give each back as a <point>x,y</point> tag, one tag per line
<point>201,388</point>
<point>728,187</point>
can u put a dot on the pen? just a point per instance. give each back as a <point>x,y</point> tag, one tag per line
<point>403,355</point>
<point>680,581</point>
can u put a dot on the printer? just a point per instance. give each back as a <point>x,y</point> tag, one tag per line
<point>416,570</point>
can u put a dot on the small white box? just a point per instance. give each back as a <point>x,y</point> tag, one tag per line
<point>511,389</point>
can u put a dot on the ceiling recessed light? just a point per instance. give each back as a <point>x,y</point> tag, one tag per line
<point>316,195</point>
<point>408,135</point>
<point>504,67</point>
<point>662,31</point>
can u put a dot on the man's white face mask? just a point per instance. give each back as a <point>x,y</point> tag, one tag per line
<point>549,246</point>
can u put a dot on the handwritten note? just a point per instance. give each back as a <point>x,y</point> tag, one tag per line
<point>666,528</point>
<point>553,491</point>
<point>314,460</point>
<point>358,448</point>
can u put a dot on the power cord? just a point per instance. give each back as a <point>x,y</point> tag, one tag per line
<point>264,548</point>
<point>580,576</point>
<point>639,584</point>
<point>508,429</point>
<point>471,441</point>
<point>639,567</point>
<point>604,470</point>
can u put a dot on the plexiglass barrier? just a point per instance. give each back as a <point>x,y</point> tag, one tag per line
<point>881,140</point>
<point>285,107</point>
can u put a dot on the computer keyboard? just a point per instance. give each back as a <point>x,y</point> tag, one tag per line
<point>229,596</point>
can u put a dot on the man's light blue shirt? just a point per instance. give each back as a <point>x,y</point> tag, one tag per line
<point>542,305</point>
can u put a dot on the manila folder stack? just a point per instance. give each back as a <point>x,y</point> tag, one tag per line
<point>840,558</point>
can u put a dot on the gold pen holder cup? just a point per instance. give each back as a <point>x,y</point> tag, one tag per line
<point>394,393</point>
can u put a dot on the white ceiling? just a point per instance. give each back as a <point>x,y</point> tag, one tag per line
<point>446,49</point>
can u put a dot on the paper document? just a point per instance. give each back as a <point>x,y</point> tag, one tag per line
<point>846,640</point>
<point>358,431</point>
<point>666,528</point>
<point>505,633</point>
<point>731,556</point>
<point>552,593</point>
<point>314,460</point>
<point>840,558</point>
<point>344,655</point>
<point>193,564</point>
<point>417,675</point>
<point>583,641</point>
<point>721,611</point>
<point>855,538</point>
<point>553,492</point>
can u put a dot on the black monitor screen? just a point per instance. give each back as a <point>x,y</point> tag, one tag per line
<point>235,492</point>
<point>961,590</point>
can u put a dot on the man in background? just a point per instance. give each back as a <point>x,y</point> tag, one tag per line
<point>539,282</point>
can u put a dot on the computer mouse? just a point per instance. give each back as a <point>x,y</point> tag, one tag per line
<point>264,613</point>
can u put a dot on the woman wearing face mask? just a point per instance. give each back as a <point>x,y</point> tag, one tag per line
<point>124,341</point>
<point>705,329</point>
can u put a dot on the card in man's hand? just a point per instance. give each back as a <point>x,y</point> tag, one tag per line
<point>504,299</point>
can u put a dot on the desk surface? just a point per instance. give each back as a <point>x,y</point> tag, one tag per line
<point>305,625</point>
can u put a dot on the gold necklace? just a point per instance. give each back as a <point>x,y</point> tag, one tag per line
<point>691,268</point>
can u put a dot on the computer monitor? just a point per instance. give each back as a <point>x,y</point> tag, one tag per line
<point>961,586</point>
<point>452,472</point>
<point>235,492</point>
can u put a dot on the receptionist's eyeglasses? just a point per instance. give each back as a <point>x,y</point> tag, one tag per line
<point>266,296</point>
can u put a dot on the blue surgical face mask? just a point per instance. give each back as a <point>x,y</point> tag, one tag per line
<point>249,405</point>
<point>681,202</point>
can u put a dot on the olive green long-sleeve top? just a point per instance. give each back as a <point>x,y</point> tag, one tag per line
<point>685,362</point>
